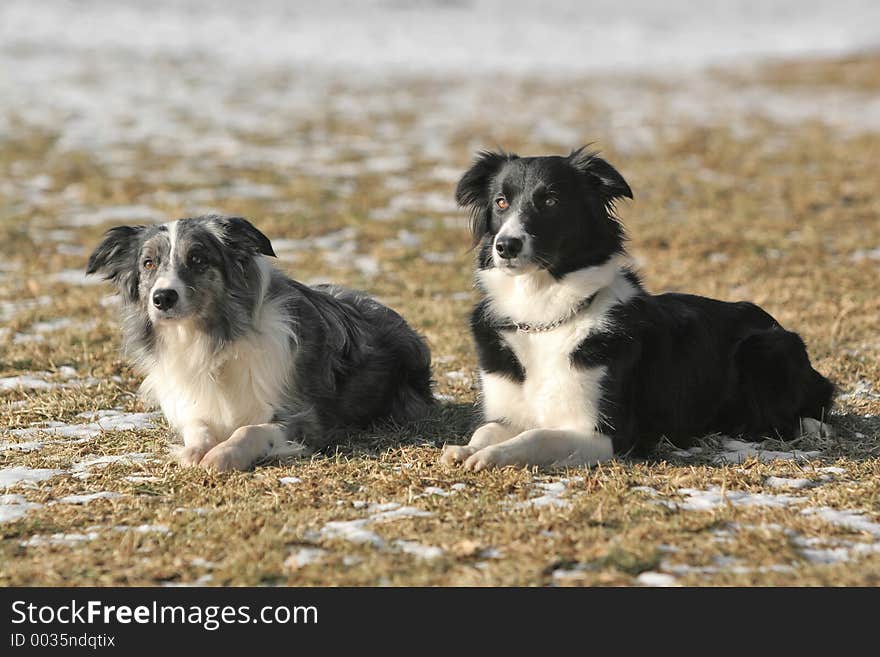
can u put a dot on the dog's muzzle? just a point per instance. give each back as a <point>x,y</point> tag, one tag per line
<point>165,299</point>
<point>508,247</point>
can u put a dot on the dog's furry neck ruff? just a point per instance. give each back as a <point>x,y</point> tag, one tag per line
<point>526,327</point>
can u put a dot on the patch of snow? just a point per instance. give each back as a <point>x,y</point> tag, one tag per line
<point>354,531</point>
<point>436,490</point>
<point>90,462</point>
<point>784,482</point>
<point>202,580</point>
<point>552,495</point>
<point>652,578</point>
<point>23,475</point>
<point>26,382</point>
<point>387,512</point>
<point>199,511</point>
<point>458,377</point>
<point>852,520</point>
<point>59,539</point>
<point>426,552</point>
<point>88,497</point>
<point>104,420</point>
<point>144,529</point>
<point>289,481</point>
<point>199,562</point>
<point>737,451</point>
<point>304,557</point>
<point>14,507</point>
<point>865,254</point>
<point>29,446</point>
<point>705,500</point>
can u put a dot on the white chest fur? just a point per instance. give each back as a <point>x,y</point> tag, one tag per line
<point>556,394</point>
<point>240,385</point>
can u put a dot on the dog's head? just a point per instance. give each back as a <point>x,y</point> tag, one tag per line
<point>199,269</point>
<point>553,213</point>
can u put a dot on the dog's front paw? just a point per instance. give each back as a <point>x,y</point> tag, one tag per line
<point>487,458</point>
<point>226,458</point>
<point>191,455</point>
<point>455,454</point>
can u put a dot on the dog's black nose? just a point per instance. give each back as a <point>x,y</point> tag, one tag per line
<point>164,299</point>
<point>508,247</point>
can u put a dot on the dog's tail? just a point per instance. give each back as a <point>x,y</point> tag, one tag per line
<point>778,383</point>
<point>413,396</point>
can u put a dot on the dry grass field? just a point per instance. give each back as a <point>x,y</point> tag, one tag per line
<point>754,183</point>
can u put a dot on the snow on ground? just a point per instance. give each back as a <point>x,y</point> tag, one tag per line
<point>418,550</point>
<point>144,529</point>
<point>66,378</point>
<point>851,520</point>
<point>14,507</point>
<point>787,482</point>
<point>650,578</point>
<point>303,557</point>
<point>70,539</point>
<point>550,494</point>
<point>100,421</point>
<point>21,474</point>
<point>738,451</point>
<point>357,531</point>
<point>706,500</point>
<point>85,498</point>
<point>92,461</point>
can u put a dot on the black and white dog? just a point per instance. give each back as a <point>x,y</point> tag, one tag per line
<point>577,362</point>
<point>246,363</point>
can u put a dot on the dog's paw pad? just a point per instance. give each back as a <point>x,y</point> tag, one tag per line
<point>455,454</point>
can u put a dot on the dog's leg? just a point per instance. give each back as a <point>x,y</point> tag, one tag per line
<point>250,444</point>
<point>488,434</point>
<point>544,447</point>
<point>197,441</point>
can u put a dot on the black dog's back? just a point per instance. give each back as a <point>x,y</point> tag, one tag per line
<point>682,366</point>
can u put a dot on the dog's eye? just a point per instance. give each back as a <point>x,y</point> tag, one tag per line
<point>549,201</point>
<point>149,264</point>
<point>502,203</point>
<point>196,260</point>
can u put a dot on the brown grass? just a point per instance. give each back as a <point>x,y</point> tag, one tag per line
<point>774,215</point>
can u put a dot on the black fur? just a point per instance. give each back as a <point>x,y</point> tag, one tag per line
<point>677,366</point>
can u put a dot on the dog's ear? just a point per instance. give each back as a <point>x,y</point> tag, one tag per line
<point>240,232</point>
<point>472,191</point>
<point>604,177</point>
<point>116,259</point>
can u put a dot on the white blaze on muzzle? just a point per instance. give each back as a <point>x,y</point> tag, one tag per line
<point>512,228</point>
